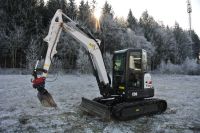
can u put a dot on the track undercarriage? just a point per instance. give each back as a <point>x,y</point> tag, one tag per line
<point>116,108</point>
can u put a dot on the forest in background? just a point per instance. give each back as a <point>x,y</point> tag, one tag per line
<point>24,24</point>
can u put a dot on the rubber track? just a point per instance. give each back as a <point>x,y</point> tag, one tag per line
<point>127,110</point>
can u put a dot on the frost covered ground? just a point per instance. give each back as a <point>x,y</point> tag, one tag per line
<point>20,110</point>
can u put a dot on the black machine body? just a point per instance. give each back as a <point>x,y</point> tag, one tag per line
<point>130,74</point>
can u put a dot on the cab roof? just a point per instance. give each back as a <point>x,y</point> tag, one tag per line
<point>128,50</point>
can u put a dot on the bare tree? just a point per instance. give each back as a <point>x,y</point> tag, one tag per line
<point>31,54</point>
<point>83,62</point>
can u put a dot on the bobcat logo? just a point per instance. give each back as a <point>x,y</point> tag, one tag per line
<point>134,94</point>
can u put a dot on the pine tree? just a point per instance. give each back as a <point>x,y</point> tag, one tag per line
<point>109,30</point>
<point>170,46</point>
<point>195,44</point>
<point>151,32</point>
<point>53,5</point>
<point>84,13</point>
<point>107,9</point>
<point>72,10</point>
<point>184,43</point>
<point>132,22</point>
<point>148,23</point>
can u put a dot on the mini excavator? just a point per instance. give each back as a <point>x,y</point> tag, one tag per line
<point>130,93</point>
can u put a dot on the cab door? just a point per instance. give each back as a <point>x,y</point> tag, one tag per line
<point>119,72</point>
<point>135,71</point>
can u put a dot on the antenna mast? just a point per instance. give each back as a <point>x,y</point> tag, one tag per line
<point>189,10</point>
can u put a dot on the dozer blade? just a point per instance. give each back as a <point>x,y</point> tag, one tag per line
<point>95,108</point>
<point>46,99</point>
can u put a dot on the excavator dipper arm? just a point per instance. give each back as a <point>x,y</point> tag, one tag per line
<point>85,39</point>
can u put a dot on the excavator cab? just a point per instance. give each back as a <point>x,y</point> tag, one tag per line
<point>130,77</point>
<point>131,85</point>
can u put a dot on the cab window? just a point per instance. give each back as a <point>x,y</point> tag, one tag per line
<point>135,61</point>
<point>119,63</point>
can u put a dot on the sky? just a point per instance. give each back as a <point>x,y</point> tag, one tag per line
<point>165,11</point>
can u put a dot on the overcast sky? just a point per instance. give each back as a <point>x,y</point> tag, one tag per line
<point>167,11</point>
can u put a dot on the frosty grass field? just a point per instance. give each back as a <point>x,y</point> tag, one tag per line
<point>20,110</point>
